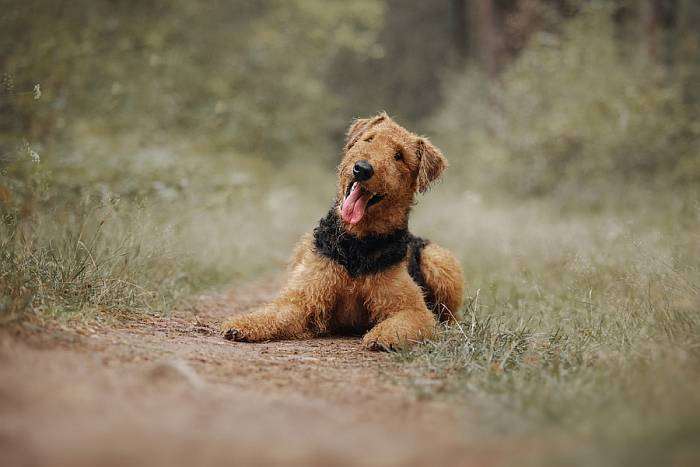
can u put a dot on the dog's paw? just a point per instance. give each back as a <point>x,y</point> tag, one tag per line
<point>378,346</point>
<point>233,335</point>
<point>377,341</point>
<point>393,335</point>
<point>234,332</point>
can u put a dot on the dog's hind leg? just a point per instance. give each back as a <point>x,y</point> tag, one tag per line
<point>445,281</point>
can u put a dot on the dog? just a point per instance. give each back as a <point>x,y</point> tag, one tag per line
<point>361,270</point>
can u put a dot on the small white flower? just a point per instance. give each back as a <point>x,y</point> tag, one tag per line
<point>37,91</point>
<point>26,147</point>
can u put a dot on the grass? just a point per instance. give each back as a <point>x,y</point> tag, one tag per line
<point>584,324</point>
<point>95,236</point>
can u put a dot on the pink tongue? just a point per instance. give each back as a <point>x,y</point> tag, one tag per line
<point>354,205</point>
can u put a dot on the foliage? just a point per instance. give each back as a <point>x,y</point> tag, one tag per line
<point>572,110</point>
<point>248,74</point>
<point>115,215</point>
<point>404,73</point>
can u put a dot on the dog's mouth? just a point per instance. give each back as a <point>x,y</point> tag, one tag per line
<point>356,202</point>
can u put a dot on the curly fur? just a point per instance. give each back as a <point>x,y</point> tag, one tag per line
<point>359,256</point>
<point>416,247</point>
<point>369,275</point>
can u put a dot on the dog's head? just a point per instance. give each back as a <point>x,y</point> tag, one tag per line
<point>383,166</point>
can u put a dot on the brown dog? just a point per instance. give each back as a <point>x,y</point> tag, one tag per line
<point>361,269</point>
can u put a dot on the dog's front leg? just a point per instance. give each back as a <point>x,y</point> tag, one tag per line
<point>301,310</point>
<point>396,304</point>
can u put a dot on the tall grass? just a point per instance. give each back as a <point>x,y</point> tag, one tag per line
<point>79,258</point>
<point>89,235</point>
<point>584,322</point>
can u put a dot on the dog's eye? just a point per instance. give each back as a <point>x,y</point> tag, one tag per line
<point>398,156</point>
<point>369,138</point>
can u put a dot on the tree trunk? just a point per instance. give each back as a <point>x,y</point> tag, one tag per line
<point>649,18</point>
<point>459,17</point>
<point>488,40</point>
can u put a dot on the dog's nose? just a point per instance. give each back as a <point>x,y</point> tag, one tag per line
<point>362,170</point>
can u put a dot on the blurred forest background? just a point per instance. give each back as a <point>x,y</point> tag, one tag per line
<point>562,89</point>
<point>153,149</point>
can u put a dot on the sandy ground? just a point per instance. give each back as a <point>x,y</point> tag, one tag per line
<point>170,391</point>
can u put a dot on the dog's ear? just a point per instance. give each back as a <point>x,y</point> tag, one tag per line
<point>359,126</point>
<point>431,164</point>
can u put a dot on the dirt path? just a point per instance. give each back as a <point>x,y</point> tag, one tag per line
<point>171,392</point>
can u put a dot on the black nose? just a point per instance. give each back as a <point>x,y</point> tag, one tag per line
<point>362,170</point>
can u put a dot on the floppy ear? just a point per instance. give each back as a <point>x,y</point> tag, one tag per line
<point>358,127</point>
<point>431,164</point>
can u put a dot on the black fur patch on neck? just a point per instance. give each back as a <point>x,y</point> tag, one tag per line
<point>415,250</point>
<point>359,256</point>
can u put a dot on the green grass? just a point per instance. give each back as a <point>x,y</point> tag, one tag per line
<point>581,324</point>
<point>93,235</point>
